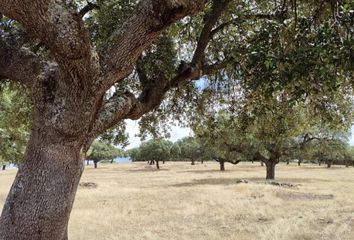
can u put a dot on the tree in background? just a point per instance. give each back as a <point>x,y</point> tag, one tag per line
<point>190,149</point>
<point>15,113</point>
<point>223,139</point>
<point>156,150</point>
<point>102,151</point>
<point>175,152</point>
<point>70,64</point>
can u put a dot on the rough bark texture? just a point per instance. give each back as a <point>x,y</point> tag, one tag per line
<point>67,91</point>
<point>41,198</point>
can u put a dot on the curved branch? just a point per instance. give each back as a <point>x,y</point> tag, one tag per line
<point>113,111</point>
<point>59,28</point>
<point>19,64</point>
<point>218,8</point>
<point>89,7</point>
<point>118,55</point>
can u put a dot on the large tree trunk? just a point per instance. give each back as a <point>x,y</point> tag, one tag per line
<point>222,165</point>
<point>270,165</point>
<point>42,195</point>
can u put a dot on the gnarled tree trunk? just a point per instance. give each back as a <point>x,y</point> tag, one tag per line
<point>68,92</point>
<point>41,198</point>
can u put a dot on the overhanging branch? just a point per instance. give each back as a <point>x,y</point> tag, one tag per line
<point>19,64</point>
<point>118,55</point>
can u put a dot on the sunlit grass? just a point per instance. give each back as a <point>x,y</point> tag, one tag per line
<point>134,201</point>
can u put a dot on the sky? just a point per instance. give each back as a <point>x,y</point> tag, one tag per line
<point>133,129</point>
<point>176,133</point>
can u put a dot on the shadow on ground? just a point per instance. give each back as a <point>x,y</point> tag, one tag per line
<point>252,180</point>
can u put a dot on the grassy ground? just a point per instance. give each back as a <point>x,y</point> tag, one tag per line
<point>134,201</point>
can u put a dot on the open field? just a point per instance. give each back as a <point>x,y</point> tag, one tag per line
<point>134,201</point>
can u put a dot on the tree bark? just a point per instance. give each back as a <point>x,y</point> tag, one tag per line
<point>157,164</point>
<point>222,165</point>
<point>42,195</point>
<point>270,165</point>
<point>4,167</point>
<point>67,91</point>
<point>95,163</point>
<point>299,162</point>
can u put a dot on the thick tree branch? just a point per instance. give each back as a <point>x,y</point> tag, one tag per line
<point>119,54</point>
<point>279,16</point>
<point>60,29</point>
<point>259,157</point>
<point>19,64</point>
<point>155,89</point>
<point>89,7</point>
<point>113,111</point>
<point>220,159</point>
<point>218,8</point>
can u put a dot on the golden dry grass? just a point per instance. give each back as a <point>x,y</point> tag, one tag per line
<point>134,201</point>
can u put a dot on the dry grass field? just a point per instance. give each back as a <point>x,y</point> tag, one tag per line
<point>134,201</point>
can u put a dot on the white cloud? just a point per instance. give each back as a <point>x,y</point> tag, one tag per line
<point>176,133</point>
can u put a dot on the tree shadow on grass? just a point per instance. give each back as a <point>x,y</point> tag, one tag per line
<point>207,181</point>
<point>252,180</point>
<point>206,171</point>
<point>146,170</point>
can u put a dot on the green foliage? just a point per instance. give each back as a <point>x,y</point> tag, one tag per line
<point>15,115</point>
<point>102,151</point>
<point>190,149</point>
<point>155,149</point>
